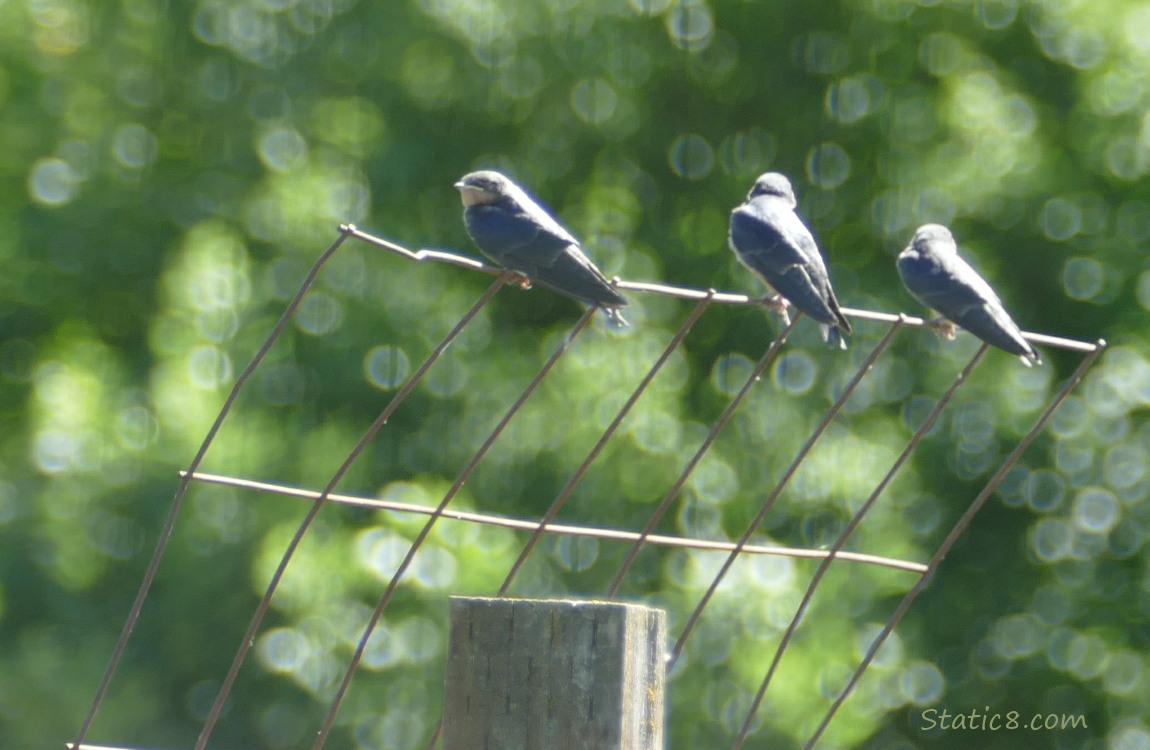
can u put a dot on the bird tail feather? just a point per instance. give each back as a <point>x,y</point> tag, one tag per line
<point>615,317</point>
<point>833,336</point>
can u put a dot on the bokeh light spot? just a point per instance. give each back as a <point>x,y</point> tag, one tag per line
<point>386,366</point>
<point>282,149</point>
<point>1061,219</point>
<point>1018,636</point>
<point>795,372</point>
<point>1124,672</point>
<point>714,481</point>
<point>828,165</point>
<point>594,100</point>
<point>284,649</point>
<point>52,182</point>
<point>849,100</point>
<point>1125,466</point>
<point>1096,511</point>
<point>691,156</point>
<point>133,146</point>
<point>1129,736</point>
<point>1044,490</point>
<point>690,25</point>
<point>730,372</point>
<point>577,553</point>
<point>940,53</point>
<point>1051,540</point>
<point>1126,158</point>
<point>1143,290</point>
<point>319,313</point>
<point>1083,278</point>
<point>996,14</point>
<point>922,683</point>
<point>650,7</point>
<point>748,152</point>
<point>209,367</point>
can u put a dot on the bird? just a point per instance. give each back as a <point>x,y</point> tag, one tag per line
<point>933,272</point>
<point>510,228</point>
<point>770,239</point>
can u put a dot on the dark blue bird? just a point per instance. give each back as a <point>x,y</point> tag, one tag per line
<point>517,233</point>
<point>932,271</point>
<point>771,240</point>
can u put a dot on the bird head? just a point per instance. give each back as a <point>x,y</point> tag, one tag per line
<point>482,187</point>
<point>776,184</point>
<point>935,235</point>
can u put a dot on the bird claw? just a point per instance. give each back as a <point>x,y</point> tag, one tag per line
<point>514,278</point>
<point>942,328</point>
<point>776,304</point>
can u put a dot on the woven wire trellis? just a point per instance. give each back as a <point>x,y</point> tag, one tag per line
<point>546,525</point>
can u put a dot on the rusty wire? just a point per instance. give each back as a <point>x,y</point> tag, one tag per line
<point>305,524</point>
<point>955,532</point>
<point>716,428</point>
<point>753,526</point>
<point>182,489</point>
<point>565,493</point>
<point>558,529</point>
<point>563,347</point>
<point>545,525</point>
<point>841,541</point>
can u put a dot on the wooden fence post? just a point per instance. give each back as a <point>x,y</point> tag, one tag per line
<point>526,674</point>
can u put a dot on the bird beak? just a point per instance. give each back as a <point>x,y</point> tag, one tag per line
<point>472,196</point>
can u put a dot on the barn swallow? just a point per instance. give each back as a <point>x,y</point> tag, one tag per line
<point>932,271</point>
<point>517,233</point>
<point>770,239</point>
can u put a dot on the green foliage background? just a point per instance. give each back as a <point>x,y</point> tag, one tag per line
<point>170,169</point>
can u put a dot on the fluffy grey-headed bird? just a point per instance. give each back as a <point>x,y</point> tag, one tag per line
<point>770,239</point>
<point>517,233</point>
<point>932,271</point>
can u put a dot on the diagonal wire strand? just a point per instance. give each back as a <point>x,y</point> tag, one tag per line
<point>565,493</point>
<point>716,428</point>
<point>959,527</point>
<point>448,258</point>
<point>758,519</point>
<point>181,491</point>
<point>835,549</point>
<point>305,524</point>
<point>563,347</point>
<point>557,504</point>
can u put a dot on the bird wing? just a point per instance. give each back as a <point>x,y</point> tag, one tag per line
<point>771,241</point>
<point>531,242</point>
<point>946,283</point>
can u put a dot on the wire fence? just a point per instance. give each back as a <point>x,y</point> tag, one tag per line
<point>546,524</point>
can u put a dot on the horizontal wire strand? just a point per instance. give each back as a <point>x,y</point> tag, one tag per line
<point>667,290</point>
<point>560,529</point>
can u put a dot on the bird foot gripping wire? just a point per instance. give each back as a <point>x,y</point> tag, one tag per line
<point>776,304</point>
<point>942,328</point>
<point>514,278</point>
